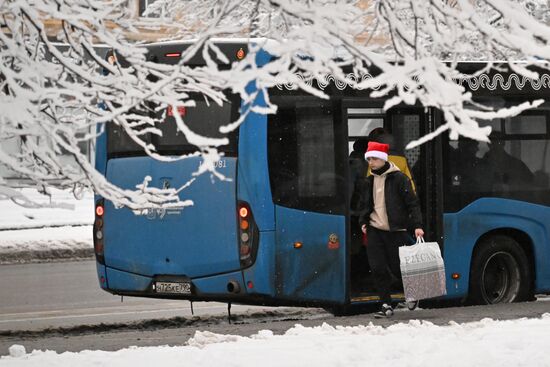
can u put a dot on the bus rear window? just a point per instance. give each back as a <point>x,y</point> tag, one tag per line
<point>119,143</point>
<point>204,119</point>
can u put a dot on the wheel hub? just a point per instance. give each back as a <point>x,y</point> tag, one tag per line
<point>500,278</point>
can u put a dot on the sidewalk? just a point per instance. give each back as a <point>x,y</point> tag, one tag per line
<point>48,234</point>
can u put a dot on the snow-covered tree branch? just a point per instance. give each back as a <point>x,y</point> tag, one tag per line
<point>54,97</point>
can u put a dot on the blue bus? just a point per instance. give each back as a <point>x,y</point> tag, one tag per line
<point>282,230</point>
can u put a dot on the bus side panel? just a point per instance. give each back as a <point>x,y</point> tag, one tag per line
<point>101,151</point>
<point>262,273</point>
<point>253,186</point>
<point>252,172</point>
<point>316,270</point>
<point>464,228</point>
<point>101,154</point>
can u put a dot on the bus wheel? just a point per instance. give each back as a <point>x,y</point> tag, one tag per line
<point>500,272</point>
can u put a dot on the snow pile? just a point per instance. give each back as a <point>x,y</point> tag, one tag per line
<point>37,234</point>
<point>488,342</point>
<point>17,350</point>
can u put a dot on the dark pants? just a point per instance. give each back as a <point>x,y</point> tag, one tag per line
<point>383,254</point>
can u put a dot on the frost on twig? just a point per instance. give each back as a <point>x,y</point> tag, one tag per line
<point>55,99</point>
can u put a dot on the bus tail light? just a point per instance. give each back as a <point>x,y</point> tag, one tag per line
<point>98,231</point>
<point>248,235</point>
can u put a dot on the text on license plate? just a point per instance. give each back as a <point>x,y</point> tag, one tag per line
<point>169,287</point>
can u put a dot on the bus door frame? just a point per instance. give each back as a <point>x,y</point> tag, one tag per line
<point>432,167</point>
<point>435,121</point>
<point>344,105</point>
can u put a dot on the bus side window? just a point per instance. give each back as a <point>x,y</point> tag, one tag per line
<point>302,150</point>
<point>514,165</point>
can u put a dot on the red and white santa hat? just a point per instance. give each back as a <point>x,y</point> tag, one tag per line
<point>377,150</point>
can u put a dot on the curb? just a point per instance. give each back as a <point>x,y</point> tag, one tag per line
<point>53,255</point>
<point>42,226</point>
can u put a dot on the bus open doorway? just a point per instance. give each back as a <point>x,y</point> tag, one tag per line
<point>367,121</point>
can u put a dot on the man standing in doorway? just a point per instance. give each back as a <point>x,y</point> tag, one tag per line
<point>389,207</point>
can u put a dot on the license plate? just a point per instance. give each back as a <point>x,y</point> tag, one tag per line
<point>173,288</point>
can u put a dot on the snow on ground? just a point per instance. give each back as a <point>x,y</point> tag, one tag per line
<point>14,216</point>
<point>51,242</point>
<point>29,234</point>
<point>488,342</point>
<point>520,342</point>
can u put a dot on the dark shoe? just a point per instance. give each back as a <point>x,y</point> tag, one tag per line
<point>385,312</point>
<point>412,305</point>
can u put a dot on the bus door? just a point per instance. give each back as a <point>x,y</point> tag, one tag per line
<point>307,163</point>
<point>407,124</point>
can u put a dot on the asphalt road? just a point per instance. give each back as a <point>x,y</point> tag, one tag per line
<point>178,333</point>
<point>67,294</point>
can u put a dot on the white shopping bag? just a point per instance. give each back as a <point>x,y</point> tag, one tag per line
<point>422,270</point>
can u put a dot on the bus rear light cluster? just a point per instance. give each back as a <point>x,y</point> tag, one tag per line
<point>98,231</point>
<point>248,235</point>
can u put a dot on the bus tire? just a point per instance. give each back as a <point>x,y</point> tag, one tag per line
<point>500,272</point>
